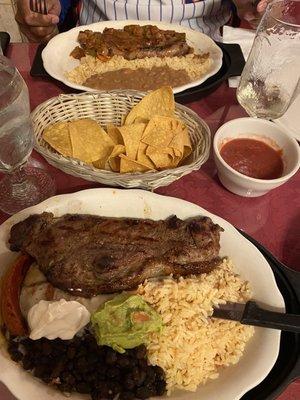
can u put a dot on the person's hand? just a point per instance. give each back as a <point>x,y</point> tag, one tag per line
<point>38,27</point>
<point>251,10</point>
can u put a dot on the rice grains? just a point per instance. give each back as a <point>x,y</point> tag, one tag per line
<point>195,66</point>
<point>193,347</point>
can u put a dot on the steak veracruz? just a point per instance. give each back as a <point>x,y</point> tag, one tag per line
<point>131,42</point>
<point>88,255</point>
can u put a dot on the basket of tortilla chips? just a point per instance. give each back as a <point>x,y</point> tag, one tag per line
<point>121,138</point>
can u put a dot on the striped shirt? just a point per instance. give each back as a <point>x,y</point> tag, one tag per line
<point>207,16</point>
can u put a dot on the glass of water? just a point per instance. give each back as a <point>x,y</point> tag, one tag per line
<point>21,186</point>
<point>270,79</point>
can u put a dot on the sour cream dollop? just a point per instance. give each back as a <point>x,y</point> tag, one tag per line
<point>57,319</point>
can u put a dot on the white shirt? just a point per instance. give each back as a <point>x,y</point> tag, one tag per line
<point>207,16</point>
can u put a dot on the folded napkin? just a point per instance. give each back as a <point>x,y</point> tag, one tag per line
<point>243,37</point>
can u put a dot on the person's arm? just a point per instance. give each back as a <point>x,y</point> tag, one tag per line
<point>251,10</point>
<point>38,27</point>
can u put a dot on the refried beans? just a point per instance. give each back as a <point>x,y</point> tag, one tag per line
<point>138,79</point>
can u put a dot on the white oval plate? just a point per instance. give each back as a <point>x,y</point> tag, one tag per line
<point>57,60</point>
<point>262,350</point>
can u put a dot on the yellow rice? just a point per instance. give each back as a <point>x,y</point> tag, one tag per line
<point>193,347</point>
<point>195,67</point>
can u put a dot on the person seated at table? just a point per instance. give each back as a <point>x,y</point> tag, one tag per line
<point>207,16</point>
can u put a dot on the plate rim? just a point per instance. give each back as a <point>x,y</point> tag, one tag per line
<point>55,201</point>
<point>118,24</point>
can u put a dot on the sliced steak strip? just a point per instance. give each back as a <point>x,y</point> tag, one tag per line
<point>132,42</point>
<point>89,255</point>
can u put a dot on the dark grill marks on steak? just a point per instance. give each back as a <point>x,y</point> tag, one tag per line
<point>131,42</point>
<point>89,255</point>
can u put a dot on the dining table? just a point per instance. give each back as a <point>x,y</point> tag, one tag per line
<point>272,219</point>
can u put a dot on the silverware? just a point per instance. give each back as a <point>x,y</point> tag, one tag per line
<point>38,6</point>
<point>251,314</point>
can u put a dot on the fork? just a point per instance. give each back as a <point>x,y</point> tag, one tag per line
<point>38,6</point>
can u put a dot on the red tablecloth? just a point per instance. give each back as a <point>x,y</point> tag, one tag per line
<point>273,219</point>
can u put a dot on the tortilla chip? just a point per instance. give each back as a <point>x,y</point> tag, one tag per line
<point>187,151</point>
<point>128,165</point>
<point>139,120</point>
<point>158,102</point>
<point>142,157</point>
<point>132,135</point>
<point>90,143</point>
<point>114,159</point>
<point>57,135</point>
<point>176,161</point>
<point>158,132</point>
<point>167,133</point>
<point>167,150</point>
<point>160,159</point>
<point>177,153</point>
<point>114,133</point>
<point>181,140</point>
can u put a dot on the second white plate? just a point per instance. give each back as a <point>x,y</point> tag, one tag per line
<point>57,60</point>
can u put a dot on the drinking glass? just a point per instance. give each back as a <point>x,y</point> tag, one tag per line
<point>270,79</point>
<point>21,186</point>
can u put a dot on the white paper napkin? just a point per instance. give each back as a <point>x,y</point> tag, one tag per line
<point>243,37</point>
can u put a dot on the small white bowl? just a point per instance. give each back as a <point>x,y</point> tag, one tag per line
<point>259,129</point>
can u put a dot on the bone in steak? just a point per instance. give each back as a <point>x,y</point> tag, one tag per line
<point>89,255</point>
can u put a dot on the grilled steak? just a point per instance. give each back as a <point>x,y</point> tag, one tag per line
<point>88,255</point>
<point>131,42</point>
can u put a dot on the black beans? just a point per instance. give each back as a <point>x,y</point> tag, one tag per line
<point>123,361</point>
<point>71,352</point>
<point>80,365</point>
<point>16,355</point>
<point>28,363</point>
<point>12,347</point>
<point>160,387</point>
<point>150,377</point>
<point>141,352</point>
<point>92,358</point>
<point>144,392</point>
<point>129,382</point>
<point>159,372</point>
<point>115,387</point>
<point>111,357</point>
<point>46,348</point>
<point>113,372</point>
<point>40,371</point>
<point>83,387</point>
<point>127,396</point>
<point>141,378</point>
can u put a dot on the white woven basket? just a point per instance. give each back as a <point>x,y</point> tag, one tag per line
<point>111,107</point>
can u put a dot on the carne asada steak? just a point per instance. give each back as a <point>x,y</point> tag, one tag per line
<point>131,42</point>
<point>89,255</point>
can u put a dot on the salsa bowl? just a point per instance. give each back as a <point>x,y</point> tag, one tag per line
<point>261,130</point>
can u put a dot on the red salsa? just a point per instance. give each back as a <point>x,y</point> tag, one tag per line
<point>253,158</point>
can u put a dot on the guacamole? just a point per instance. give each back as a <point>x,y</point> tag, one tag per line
<point>125,322</point>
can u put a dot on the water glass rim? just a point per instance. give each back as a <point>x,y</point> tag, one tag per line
<point>271,5</point>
